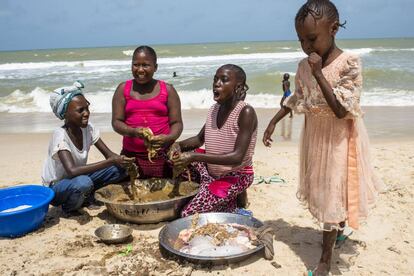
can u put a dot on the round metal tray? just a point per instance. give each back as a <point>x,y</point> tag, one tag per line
<point>169,234</point>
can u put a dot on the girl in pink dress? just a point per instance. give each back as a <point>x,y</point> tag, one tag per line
<point>337,182</point>
<point>145,102</point>
<point>224,169</point>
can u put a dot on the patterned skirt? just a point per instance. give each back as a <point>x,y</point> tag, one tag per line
<point>207,199</point>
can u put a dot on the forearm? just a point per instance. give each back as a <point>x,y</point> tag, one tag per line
<point>282,100</point>
<point>176,129</point>
<point>284,110</point>
<point>230,159</point>
<point>108,154</point>
<point>191,143</point>
<point>123,129</point>
<point>329,96</point>
<point>89,168</point>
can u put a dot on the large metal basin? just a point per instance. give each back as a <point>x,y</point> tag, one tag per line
<point>149,212</point>
<point>169,234</point>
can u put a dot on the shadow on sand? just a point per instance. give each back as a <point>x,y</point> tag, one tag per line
<point>306,243</point>
<point>108,218</point>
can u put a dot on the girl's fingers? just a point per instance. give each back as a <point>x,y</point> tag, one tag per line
<point>156,148</point>
<point>178,164</point>
<point>180,161</point>
<point>267,142</point>
<point>175,159</point>
<point>156,143</point>
<point>265,138</point>
<point>129,159</point>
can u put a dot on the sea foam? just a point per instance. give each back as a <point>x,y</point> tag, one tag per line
<point>282,56</point>
<point>37,100</point>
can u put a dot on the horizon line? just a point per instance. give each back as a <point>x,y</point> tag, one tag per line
<point>189,43</point>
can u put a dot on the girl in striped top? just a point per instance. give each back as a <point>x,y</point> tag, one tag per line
<point>229,135</point>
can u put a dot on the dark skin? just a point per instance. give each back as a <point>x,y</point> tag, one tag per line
<point>285,87</point>
<point>146,87</point>
<point>76,118</point>
<point>227,91</point>
<point>317,38</point>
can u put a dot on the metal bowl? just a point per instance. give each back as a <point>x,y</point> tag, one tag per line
<point>113,233</point>
<point>148,212</point>
<point>169,233</point>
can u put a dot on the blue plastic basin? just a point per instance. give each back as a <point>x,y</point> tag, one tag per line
<point>18,223</point>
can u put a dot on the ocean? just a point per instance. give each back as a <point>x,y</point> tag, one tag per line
<point>27,77</point>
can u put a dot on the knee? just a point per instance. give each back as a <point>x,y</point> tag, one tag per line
<point>83,184</point>
<point>117,173</point>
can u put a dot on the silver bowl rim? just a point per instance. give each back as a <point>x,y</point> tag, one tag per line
<point>98,197</point>
<point>209,258</point>
<point>128,229</point>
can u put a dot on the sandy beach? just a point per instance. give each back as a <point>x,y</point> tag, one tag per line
<point>67,246</point>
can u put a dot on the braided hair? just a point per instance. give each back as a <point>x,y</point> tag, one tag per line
<point>148,50</point>
<point>241,77</point>
<point>318,9</point>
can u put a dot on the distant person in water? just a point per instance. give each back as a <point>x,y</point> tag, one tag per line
<point>286,91</point>
<point>174,74</point>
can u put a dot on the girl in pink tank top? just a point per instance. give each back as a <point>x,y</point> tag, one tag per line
<point>145,102</point>
<point>224,170</point>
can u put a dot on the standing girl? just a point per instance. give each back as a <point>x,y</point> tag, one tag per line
<point>229,135</point>
<point>337,181</point>
<point>145,102</point>
<point>65,169</point>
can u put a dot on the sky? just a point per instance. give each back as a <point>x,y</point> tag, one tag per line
<point>45,24</point>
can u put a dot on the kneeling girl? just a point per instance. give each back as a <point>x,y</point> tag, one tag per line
<point>225,168</point>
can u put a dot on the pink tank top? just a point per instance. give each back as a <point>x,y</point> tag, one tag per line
<point>152,113</point>
<point>222,140</point>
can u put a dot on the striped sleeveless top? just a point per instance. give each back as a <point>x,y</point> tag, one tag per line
<point>222,140</point>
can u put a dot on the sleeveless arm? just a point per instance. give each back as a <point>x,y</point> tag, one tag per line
<point>174,113</point>
<point>194,142</point>
<point>118,113</point>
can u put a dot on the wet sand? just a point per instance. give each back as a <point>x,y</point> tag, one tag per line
<point>382,122</point>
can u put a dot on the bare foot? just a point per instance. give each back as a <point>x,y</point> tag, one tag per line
<point>321,270</point>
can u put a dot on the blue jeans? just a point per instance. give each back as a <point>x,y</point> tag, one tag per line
<point>71,193</point>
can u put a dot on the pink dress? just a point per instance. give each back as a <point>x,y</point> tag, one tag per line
<point>151,113</point>
<point>337,181</point>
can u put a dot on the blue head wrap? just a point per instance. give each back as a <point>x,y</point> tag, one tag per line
<point>61,97</point>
